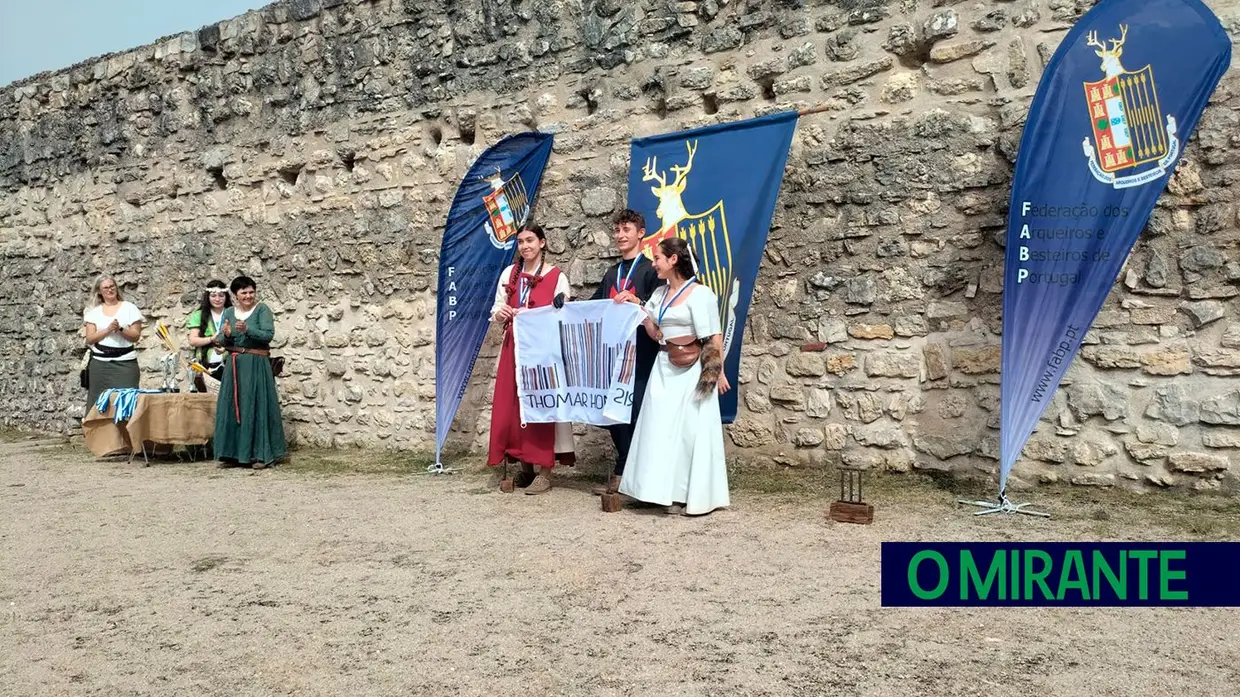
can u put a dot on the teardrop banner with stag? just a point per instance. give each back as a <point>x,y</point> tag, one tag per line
<point>1117,102</point>
<point>715,187</point>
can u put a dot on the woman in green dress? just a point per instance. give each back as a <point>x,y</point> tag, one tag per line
<point>248,430</point>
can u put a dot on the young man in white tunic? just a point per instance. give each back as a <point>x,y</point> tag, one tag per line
<point>677,457</point>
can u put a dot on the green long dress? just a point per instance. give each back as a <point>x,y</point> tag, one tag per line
<point>248,428</point>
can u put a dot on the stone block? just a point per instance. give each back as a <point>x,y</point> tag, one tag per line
<point>871,331</point>
<point>1158,434</point>
<point>1231,337</point>
<point>1092,453</point>
<point>1221,438</point>
<point>1111,357</point>
<point>938,366</point>
<point>805,365</point>
<point>788,395</point>
<point>991,21</point>
<point>941,25</point>
<point>878,435</point>
<point>808,437</point>
<point>1092,479</point>
<point>1047,449</point>
<point>976,360</point>
<point>750,432</point>
<point>948,53</point>
<point>892,364</point>
<point>848,76</point>
<point>1173,360</point>
<point>835,437</point>
<point>1221,410</point>
<point>866,407</point>
<point>833,331</point>
<point>818,405</point>
<point>944,446</point>
<point>1197,463</point>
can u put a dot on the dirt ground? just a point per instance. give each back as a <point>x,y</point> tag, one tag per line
<point>344,575</point>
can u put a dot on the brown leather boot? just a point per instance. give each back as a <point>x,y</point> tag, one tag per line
<point>541,483</point>
<point>611,487</point>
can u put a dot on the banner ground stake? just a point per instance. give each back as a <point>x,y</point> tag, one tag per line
<point>1003,506</point>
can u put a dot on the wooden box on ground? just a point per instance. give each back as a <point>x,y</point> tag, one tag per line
<point>845,512</point>
<point>612,503</point>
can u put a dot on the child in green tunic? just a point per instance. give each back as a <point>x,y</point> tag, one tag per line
<point>248,429</point>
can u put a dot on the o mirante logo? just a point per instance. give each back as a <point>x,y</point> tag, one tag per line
<point>1060,573</point>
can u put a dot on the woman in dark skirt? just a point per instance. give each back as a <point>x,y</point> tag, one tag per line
<point>248,429</point>
<point>113,327</point>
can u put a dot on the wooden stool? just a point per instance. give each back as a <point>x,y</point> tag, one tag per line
<point>850,508</point>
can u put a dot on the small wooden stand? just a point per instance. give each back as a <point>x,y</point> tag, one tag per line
<point>850,508</point>
<point>612,502</point>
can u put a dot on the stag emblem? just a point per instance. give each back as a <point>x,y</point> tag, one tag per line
<point>671,208</point>
<point>706,232</point>
<point>1129,130</point>
<point>1110,56</point>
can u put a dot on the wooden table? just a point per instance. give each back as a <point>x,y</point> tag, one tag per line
<point>172,418</point>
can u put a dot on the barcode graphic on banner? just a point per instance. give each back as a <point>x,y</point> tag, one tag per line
<point>540,377</point>
<point>588,361</point>
<point>629,352</point>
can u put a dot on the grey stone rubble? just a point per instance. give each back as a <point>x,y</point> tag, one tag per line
<point>316,144</point>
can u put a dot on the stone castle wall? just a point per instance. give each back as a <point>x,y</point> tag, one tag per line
<point>315,145</point>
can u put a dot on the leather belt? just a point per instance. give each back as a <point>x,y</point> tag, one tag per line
<point>236,350</point>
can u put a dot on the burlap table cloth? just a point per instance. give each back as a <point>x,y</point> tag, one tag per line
<point>174,418</point>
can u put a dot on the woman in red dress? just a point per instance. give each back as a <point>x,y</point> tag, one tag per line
<point>529,283</point>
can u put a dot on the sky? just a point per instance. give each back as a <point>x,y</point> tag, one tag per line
<point>38,35</point>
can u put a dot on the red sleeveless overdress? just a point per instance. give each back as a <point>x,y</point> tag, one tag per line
<point>535,443</point>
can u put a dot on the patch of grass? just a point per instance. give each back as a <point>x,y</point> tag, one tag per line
<point>9,434</point>
<point>370,462</point>
<point>824,483</point>
<point>1205,515</point>
<point>1110,513</point>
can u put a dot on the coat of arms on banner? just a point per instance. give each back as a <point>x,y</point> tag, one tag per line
<point>706,233</point>
<point>508,207</point>
<point>1129,130</point>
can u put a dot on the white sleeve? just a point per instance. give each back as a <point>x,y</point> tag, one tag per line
<point>656,297</point>
<point>561,286</point>
<point>132,314</point>
<point>705,311</point>
<point>501,298</point>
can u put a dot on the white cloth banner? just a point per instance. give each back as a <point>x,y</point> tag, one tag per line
<point>577,363</point>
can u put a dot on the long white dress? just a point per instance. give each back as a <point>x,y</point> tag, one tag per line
<point>677,453</point>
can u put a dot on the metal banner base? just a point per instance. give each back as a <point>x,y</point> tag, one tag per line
<point>1003,506</point>
<point>438,468</point>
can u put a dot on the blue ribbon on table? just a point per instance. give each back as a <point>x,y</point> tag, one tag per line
<point>126,401</point>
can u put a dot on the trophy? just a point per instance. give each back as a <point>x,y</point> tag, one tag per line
<point>170,367</point>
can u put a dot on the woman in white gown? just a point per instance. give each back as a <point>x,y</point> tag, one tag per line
<point>677,457</point>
